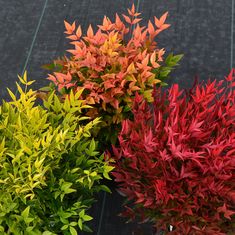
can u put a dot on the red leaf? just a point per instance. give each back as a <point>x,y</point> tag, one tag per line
<point>227,213</point>
<point>230,77</point>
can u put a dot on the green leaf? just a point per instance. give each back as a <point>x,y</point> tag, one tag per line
<point>92,146</point>
<point>78,94</point>
<point>47,233</point>
<point>11,94</point>
<point>73,224</point>
<point>48,66</point>
<point>73,231</point>
<point>177,58</point>
<point>43,146</point>
<point>64,227</point>
<point>81,213</point>
<point>165,72</point>
<point>86,229</point>
<point>87,218</point>
<point>105,188</point>
<point>108,168</point>
<point>25,213</point>
<point>164,84</point>
<point>80,223</point>
<point>106,175</point>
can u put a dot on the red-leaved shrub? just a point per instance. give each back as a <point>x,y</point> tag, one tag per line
<point>176,160</point>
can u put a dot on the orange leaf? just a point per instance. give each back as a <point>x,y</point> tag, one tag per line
<point>163,17</point>
<point>131,68</point>
<point>150,28</point>
<point>118,21</point>
<point>79,32</point>
<point>69,28</point>
<point>72,37</point>
<point>90,32</point>
<point>137,31</point>
<point>127,19</point>
<point>165,26</point>
<point>145,62</point>
<point>52,78</point>
<point>73,52</point>
<point>60,77</point>
<point>135,21</point>
<point>160,54</point>
<point>161,21</point>
<point>133,9</point>
<point>135,88</point>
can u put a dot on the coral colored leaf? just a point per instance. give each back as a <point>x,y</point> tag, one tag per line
<point>135,21</point>
<point>90,32</point>
<point>79,32</point>
<point>133,9</point>
<point>127,19</point>
<point>118,20</point>
<point>163,17</point>
<point>69,27</point>
<point>150,28</point>
<point>165,26</point>
<point>131,69</point>
<point>72,37</point>
<point>161,21</point>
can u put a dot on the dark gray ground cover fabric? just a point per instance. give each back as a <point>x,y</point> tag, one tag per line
<point>31,34</point>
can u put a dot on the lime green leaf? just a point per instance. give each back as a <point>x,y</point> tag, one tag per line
<point>47,233</point>
<point>25,213</point>
<point>73,231</point>
<point>64,227</point>
<point>87,218</point>
<point>80,223</point>
<point>81,213</point>
<point>11,94</point>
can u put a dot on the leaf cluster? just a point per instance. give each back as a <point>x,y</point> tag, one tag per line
<point>112,64</point>
<point>50,169</point>
<point>175,163</point>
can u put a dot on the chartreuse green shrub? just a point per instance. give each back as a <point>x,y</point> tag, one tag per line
<point>49,166</point>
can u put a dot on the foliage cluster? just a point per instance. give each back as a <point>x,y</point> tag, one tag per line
<point>175,163</point>
<point>49,165</point>
<point>112,64</point>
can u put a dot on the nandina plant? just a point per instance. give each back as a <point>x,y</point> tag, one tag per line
<point>111,64</point>
<point>50,170</point>
<point>176,160</point>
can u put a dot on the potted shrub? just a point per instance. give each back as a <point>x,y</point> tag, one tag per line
<point>175,164</point>
<point>111,65</point>
<point>50,169</point>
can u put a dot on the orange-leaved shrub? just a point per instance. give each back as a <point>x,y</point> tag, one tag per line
<point>111,64</point>
<point>176,160</point>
